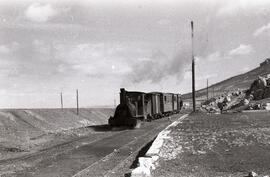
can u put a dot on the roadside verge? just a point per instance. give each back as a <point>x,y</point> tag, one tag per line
<point>148,162</point>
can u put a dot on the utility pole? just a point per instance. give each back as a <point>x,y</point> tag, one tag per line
<point>61,97</point>
<point>77,98</point>
<point>207,91</point>
<point>193,71</point>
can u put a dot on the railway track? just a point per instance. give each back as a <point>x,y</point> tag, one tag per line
<point>100,154</point>
<point>108,164</point>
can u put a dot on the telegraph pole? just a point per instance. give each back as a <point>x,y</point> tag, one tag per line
<point>193,71</point>
<point>207,90</point>
<point>61,97</point>
<point>77,98</point>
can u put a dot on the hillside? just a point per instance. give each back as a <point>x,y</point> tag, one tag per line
<point>241,82</point>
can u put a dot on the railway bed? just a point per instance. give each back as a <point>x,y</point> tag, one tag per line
<point>104,153</point>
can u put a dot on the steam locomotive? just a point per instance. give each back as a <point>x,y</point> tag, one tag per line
<point>137,106</point>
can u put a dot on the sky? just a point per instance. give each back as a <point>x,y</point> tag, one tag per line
<point>98,46</point>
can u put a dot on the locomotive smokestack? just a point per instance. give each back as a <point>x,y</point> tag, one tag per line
<point>122,96</point>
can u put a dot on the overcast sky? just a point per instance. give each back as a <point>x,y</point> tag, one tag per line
<point>98,46</point>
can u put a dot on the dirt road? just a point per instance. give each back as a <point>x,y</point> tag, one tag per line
<point>100,152</point>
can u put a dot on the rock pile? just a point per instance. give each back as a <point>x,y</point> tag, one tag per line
<point>259,106</point>
<point>239,100</point>
<point>224,102</point>
<point>260,88</point>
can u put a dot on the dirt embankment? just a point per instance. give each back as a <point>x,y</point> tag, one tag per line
<point>23,130</point>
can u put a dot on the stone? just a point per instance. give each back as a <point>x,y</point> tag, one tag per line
<point>245,102</point>
<point>258,94</point>
<point>144,168</point>
<point>258,84</point>
<point>252,174</point>
<point>227,99</point>
<point>266,92</point>
<point>266,106</point>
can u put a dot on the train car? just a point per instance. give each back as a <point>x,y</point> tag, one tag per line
<point>155,100</point>
<point>166,103</point>
<point>174,101</point>
<point>148,106</point>
<point>179,102</point>
<point>132,108</point>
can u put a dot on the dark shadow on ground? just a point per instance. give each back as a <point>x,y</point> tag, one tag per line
<point>106,128</point>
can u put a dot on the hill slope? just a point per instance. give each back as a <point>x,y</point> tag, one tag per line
<point>242,82</point>
<point>24,128</point>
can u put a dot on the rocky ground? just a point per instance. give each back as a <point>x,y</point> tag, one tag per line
<point>214,145</point>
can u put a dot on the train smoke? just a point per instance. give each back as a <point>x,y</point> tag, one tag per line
<point>159,66</point>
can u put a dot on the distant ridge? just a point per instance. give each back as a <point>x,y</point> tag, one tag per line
<point>241,82</point>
